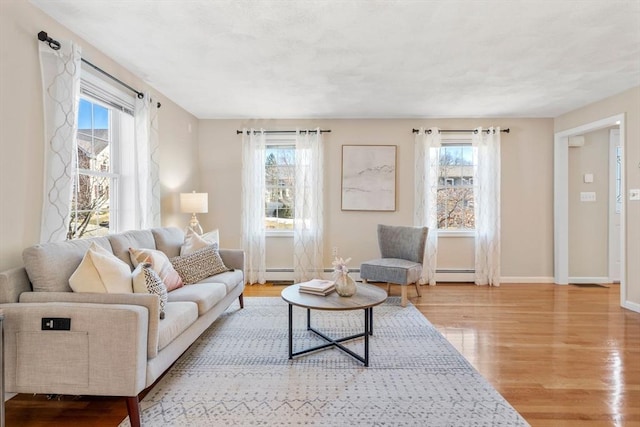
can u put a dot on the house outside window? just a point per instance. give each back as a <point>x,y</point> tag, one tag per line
<point>279,184</point>
<point>455,187</point>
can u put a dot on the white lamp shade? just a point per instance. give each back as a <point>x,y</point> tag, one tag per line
<point>194,202</point>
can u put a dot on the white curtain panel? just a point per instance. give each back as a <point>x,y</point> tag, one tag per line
<point>253,202</point>
<point>487,206</point>
<point>60,70</point>
<point>147,163</point>
<point>427,169</point>
<point>308,216</point>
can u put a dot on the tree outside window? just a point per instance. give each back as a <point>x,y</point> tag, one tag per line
<point>455,188</point>
<point>280,186</point>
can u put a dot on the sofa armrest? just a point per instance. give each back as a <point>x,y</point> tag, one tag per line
<point>150,301</point>
<point>232,258</point>
<point>12,283</point>
<point>102,353</point>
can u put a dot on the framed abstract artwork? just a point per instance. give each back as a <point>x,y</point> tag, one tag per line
<point>368,177</point>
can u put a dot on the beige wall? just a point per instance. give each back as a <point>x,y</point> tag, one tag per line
<point>627,102</point>
<point>21,129</point>
<point>527,190</point>
<point>589,221</point>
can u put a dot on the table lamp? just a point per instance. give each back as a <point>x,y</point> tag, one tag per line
<point>194,203</point>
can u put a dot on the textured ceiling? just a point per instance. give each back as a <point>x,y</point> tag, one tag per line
<point>368,58</point>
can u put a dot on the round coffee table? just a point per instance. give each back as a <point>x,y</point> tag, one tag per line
<point>366,297</point>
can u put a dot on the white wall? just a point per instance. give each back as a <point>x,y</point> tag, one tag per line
<point>21,130</point>
<point>627,102</point>
<point>527,190</point>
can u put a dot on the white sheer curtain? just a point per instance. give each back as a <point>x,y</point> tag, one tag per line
<point>253,200</point>
<point>427,165</point>
<point>60,70</point>
<point>487,206</point>
<point>308,217</point>
<point>147,145</point>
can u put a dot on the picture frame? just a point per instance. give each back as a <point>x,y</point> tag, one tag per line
<point>369,178</point>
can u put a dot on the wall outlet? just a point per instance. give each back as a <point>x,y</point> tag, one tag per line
<point>634,194</point>
<point>334,251</point>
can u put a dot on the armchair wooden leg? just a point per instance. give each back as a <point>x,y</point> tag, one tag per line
<point>388,288</point>
<point>403,301</point>
<point>241,299</point>
<point>418,289</point>
<point>133,407</point>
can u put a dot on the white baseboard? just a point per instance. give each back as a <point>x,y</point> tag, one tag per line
<point>444,276</point>
<point>525,279</point>
<point>631,306</point>
<point>582,280</point>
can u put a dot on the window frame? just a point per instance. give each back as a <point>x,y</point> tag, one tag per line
<point>270,141</point>
<point>100,92</point>
<point>457,140</point>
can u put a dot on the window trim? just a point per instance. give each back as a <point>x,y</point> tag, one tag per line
<point>97,91</point>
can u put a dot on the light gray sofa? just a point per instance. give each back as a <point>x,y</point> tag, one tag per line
<point>117,345</point>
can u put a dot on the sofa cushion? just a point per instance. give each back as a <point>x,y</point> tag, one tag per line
<point>199,265</point>
<point>64,256</point>
<point>179,316</point>
<point>146,280</point>
<point>121,242</point>
<point>160,263</point>
<point>230,279</point>
<point>193,241</point>
<point>100,271</point>
<point>206,295</point>
<point>168,240</point>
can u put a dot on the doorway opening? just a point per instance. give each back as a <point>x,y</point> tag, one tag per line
<point>561,199</point>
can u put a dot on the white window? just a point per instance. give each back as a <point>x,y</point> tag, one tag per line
<point>455,187</point>
<point>280,175</point>
<point>105,124</point>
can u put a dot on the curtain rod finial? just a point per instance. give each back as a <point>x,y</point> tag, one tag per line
<point>44,37</point>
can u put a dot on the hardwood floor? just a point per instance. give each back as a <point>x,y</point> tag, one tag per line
<point>561,355</point>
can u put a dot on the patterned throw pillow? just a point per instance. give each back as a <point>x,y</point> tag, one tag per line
<point>160,263</point>
<point>199,265</point>
<point>146,280</point>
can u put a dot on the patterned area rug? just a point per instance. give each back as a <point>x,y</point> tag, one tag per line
<point>238,373</point>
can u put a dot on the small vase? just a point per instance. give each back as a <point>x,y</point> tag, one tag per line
<point>345,286</point>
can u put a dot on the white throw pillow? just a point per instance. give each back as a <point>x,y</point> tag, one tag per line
<point>101,271</point>
<point>160,263</point>
<point>194,242</point>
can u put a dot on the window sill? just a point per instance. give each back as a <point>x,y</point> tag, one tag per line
<point>448,233</point>
<point>287,233</point>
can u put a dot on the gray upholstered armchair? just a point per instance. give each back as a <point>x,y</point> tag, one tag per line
<point>402,252</point>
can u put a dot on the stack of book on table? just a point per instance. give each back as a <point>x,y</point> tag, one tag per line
<point>318,287</point>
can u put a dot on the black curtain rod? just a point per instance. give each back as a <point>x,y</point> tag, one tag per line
<point>55,45</point>
<point>238,132</point>
<point>460,131</point>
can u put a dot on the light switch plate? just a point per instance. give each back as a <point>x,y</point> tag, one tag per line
<point>588,196</point>
<point>634,194</point>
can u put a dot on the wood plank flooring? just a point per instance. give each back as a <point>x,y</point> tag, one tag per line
<point>561,355</point>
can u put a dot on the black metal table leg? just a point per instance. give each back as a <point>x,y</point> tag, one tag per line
<point>367,332</point>
<point>290,331</point>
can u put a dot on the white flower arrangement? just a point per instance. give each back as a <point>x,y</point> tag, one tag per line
<point>340,266</point>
